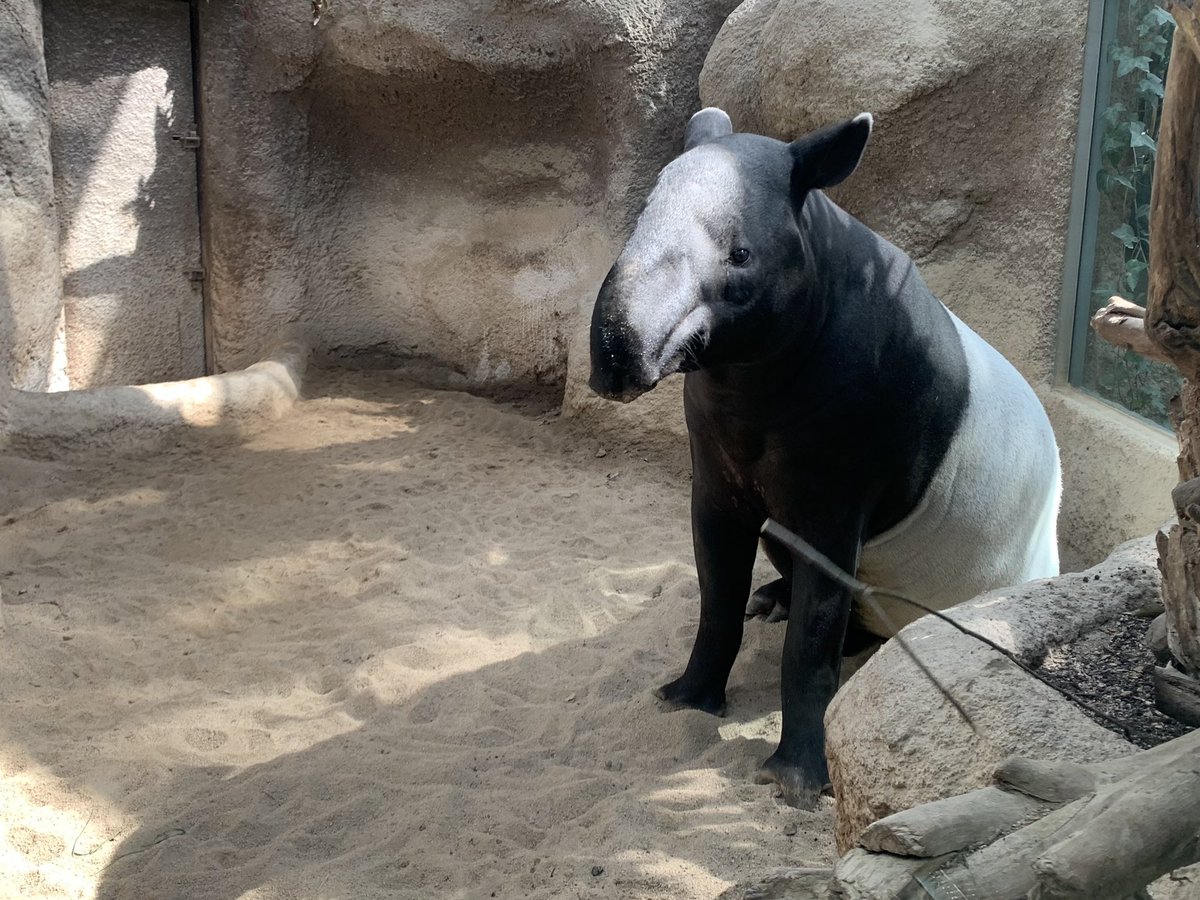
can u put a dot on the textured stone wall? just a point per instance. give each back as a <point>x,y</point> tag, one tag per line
<point>30,284</point>
<point>433,180</point>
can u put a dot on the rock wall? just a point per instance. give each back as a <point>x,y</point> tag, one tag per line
<point>120,91</point>
<point>969,169</point>
<point>30,285</point>
<point>430,180</point>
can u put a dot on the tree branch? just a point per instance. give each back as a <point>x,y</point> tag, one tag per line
<point>1123,325</point>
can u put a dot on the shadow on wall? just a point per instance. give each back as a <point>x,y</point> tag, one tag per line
<point>121,87</point>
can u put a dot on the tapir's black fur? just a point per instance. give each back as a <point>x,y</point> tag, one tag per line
<point>824,385</point>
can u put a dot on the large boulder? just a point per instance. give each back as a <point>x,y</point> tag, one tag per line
<point>970,165</point>
<point>887,757</point>
<point>430,179</point>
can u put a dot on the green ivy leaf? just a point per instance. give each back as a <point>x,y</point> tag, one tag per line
<point>1130,63</point>
<point>1112,114</point>
<point>1131,282</point>
<point>1139,138</point>
<point>1152,85</point>
<point>1126,235</point>
<point>1157,16</point>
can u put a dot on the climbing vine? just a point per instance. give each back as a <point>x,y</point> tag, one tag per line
<point>1137,62</point>
<point>1129,143</point>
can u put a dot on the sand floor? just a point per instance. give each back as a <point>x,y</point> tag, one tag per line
<point>401,645</point>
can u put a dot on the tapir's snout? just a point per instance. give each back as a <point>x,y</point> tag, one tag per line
<point>620,370</point>
<point>616,385</point>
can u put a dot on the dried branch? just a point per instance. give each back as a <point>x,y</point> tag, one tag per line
<point>1123,325</point>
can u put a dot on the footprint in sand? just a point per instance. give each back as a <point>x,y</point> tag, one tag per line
<point>205,738</point>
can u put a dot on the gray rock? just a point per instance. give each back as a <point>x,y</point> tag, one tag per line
<point>893,741</point>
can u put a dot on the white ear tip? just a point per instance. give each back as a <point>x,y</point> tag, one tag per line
<point>710,111</point>
<point>707,125</point>
<point>865,117</point>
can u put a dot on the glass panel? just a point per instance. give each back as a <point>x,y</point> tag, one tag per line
<point>1135,50</point>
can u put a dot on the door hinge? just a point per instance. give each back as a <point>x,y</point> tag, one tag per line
<point>188,140</point>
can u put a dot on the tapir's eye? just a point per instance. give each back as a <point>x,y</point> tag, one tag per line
<point>740,256</point>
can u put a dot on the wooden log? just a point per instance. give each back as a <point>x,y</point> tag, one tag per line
<point>1048,780</point>
<point>1111,771</point>
<point>1140,821</point>
<point>1132,820</point>
<point>1187,21</point>
<point>862,875</point>
<point>1123,325</point>
<point>1128,834</point>
<point>1173,315</point>
<point>1177,695</point>
<point>934,829</point>
<point>1004,869</point>
<point>1180,566</point>
<point>1173,307</point>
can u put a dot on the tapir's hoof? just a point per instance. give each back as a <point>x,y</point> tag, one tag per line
<point>677,695</point>
<point>798,785</point>
<point>770,602</point>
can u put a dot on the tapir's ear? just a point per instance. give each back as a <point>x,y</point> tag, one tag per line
<point>828,157</point>
<point>707,125</point>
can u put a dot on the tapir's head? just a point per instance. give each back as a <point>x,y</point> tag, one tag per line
<point>717,257</point>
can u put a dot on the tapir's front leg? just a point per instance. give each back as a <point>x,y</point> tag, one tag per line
<point>725,541</point>
<point>812,657</point>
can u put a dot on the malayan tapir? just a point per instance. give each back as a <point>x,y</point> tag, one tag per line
<point>828,389</point>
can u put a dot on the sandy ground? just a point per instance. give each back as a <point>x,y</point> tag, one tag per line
<point>400,646</point>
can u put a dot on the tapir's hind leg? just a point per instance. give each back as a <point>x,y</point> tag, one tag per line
<point>771,601</point>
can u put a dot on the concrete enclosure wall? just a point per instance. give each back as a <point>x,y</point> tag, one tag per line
<point>427,179</point>
<point>30,284</point>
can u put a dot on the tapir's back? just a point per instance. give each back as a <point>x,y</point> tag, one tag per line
<point>989,515</point>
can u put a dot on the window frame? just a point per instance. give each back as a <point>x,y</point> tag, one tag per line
<point>1080,248</point>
